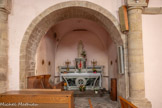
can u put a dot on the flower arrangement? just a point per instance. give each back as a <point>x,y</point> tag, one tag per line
<point>94,70</point>
<point>84,53</point>
<point>82,88</point>
<point>80,66</point>
<point>65,86</point>
<point>96,90</point>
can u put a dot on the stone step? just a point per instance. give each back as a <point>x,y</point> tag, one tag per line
<point>87,93</point>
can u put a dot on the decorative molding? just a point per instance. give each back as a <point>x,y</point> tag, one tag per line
<point>152,10</point>
<point>135,7</point>
<point>138,3</point>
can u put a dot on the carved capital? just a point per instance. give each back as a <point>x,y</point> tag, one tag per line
<point>135,7</point>
<point>136,3</point>
<point>5,5</point>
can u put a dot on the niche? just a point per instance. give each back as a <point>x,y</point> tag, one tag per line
<point>49,63</point>
<point>111,62</point>
<point>42,62</point>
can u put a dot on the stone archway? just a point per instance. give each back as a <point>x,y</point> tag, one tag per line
<point>51,16</point>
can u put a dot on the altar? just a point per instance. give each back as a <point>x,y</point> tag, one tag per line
<point>89,79</point>
<point>81,74</point>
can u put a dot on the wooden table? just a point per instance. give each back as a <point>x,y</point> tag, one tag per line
<point>55,99</point>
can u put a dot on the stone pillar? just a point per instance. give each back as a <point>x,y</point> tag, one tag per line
<point>135,58</point>
<point>4,11</point>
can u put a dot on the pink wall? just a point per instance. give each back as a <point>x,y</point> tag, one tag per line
<point>112,62</point>
<point>152,45</point>
<point>46,53</point>
<point>67,49</point>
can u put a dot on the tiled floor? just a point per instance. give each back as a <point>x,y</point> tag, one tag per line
<point>97,102</point>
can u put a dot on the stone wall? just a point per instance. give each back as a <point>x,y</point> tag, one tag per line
<point>4,11</point>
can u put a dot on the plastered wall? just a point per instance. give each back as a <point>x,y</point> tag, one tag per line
<point>152,46</point>
<point>152,37</point>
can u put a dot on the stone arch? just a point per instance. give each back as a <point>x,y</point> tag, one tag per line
<point>51,16</point>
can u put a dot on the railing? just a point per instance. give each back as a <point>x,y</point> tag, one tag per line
<point>125,103</point>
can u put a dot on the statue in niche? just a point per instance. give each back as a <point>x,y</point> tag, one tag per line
<point>80,49</point>
<point>81,60</point>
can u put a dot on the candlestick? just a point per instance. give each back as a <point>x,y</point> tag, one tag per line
<point>94,63</point>
<point>67,63</point>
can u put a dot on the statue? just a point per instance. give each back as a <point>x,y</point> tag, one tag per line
<point>81,60</point>
<point>80,49</point>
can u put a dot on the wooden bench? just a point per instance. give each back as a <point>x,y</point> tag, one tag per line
<point>44,98</point>
<point>125,103</point>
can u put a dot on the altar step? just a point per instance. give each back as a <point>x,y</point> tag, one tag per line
<point>88,93</point>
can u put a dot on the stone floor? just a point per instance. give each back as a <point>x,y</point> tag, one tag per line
<point>97,102</point>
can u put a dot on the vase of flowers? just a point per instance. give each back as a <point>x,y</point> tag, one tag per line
<point>96,91</point>
<point>84,54</point>
<point>82,88</point>
<point>65,86</point>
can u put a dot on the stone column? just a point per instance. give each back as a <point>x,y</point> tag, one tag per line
<point>4,11</point>
<point>135,58</point>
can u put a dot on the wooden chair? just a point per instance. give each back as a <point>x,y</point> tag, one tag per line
<point>125,103</point>
<point>38,82</point>
<point>42,82</point>
<point>59,86</point>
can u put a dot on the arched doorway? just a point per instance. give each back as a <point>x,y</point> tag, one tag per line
<point>53,15</point>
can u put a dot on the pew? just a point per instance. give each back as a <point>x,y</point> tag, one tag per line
<point>39,91</point>
<point>41,97</point>
<point>125,103</point>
